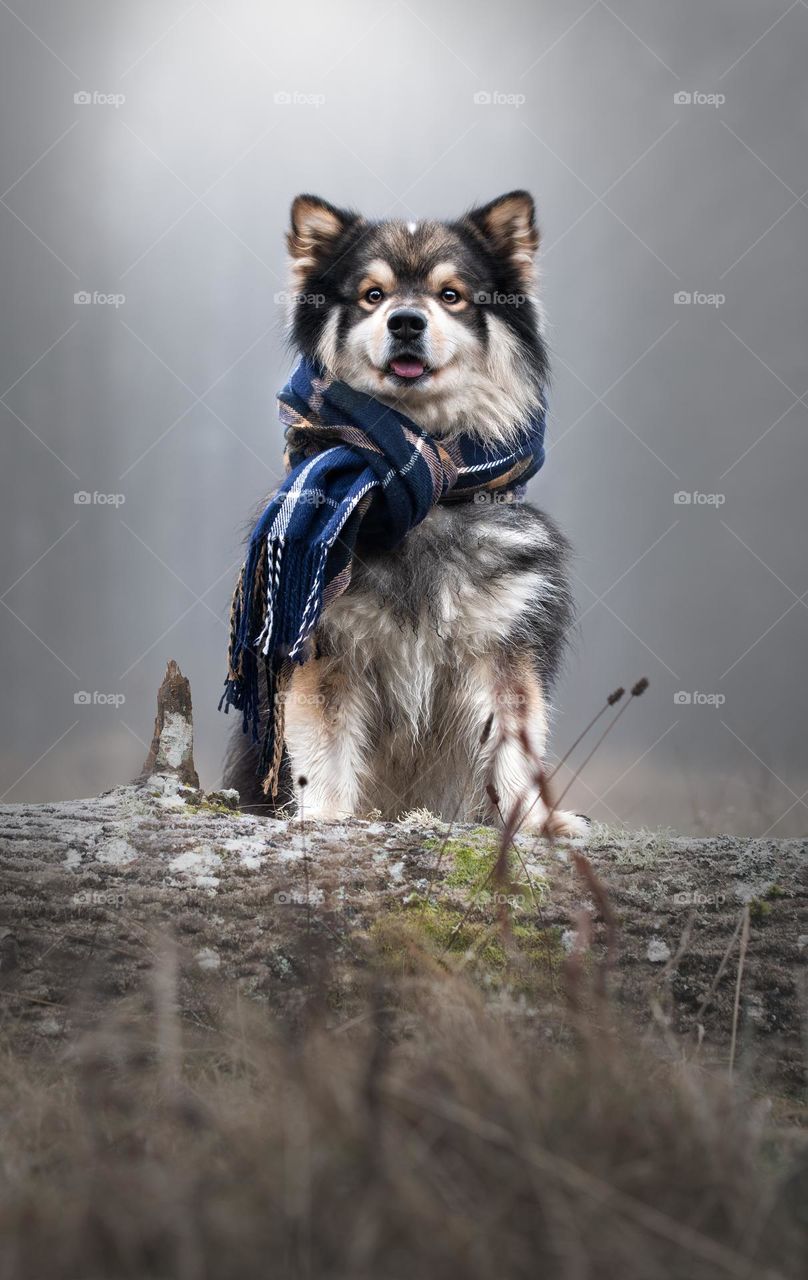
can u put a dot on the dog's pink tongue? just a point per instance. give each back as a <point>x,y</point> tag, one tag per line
<point>407,368</point>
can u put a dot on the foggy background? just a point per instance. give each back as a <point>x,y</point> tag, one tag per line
<point>165,197</point>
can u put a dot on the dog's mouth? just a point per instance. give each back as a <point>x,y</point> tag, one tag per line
<point>407,368</point>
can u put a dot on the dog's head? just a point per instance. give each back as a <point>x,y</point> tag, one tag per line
<point>437,319</point>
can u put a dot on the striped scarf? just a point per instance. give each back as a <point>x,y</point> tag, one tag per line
<point>353,464</point>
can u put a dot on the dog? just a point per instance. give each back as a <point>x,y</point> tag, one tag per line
<point>431,675</point>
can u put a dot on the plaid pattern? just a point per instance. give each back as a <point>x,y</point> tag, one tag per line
<point>353,464</point>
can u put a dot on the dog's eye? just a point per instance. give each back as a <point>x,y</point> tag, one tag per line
<point>449,295</point>
<point>373,295</point>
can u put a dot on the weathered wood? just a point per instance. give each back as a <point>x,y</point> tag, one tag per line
<point>172,748</point>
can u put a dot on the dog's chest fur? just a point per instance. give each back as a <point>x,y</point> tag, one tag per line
<point>471,582</point>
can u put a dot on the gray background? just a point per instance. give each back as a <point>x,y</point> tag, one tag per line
<point>177,199</point>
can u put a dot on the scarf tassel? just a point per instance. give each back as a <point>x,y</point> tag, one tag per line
<point>276,606</point>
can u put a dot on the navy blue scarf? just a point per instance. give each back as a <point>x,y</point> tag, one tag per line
<point>353,463</point>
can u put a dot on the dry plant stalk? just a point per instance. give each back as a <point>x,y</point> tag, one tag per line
<point>738,981</point>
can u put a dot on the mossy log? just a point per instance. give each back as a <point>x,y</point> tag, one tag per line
<point>274,903</point>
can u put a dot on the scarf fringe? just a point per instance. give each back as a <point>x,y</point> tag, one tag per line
<point>271,757</point>
<point>261,641</point>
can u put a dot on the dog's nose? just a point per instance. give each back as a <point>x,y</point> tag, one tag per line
<point>406,324</point>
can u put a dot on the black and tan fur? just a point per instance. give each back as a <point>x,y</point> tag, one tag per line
<point>466,619</point>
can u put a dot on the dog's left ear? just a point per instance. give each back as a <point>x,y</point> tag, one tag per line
<point>509,225</point>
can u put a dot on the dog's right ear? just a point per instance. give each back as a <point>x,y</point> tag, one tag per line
<point>316,226</point>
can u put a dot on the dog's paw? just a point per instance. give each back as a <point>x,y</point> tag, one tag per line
<point>560,824</point>
<point>571,826</point>
<point>323,813</point>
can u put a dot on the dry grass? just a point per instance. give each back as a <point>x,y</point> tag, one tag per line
<point>430,1135</point>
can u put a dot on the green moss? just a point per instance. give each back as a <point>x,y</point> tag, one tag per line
<point>450,932</point>
<point>405,939</point>
<point>540,943</point>
<point>759,910</point>
<point>471,856</point>
<point>208,806</point>
<point>464,923</point>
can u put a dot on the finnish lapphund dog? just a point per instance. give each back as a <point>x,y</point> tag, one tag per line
<point>432,674</point>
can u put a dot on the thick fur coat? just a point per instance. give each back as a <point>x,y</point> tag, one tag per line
<point>431,683</point>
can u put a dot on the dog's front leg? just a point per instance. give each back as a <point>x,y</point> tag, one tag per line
<point>326,737</point>
<point>511,695</point>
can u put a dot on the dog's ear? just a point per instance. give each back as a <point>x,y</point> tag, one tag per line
<point>509,225</point>
<point>315,228</point>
